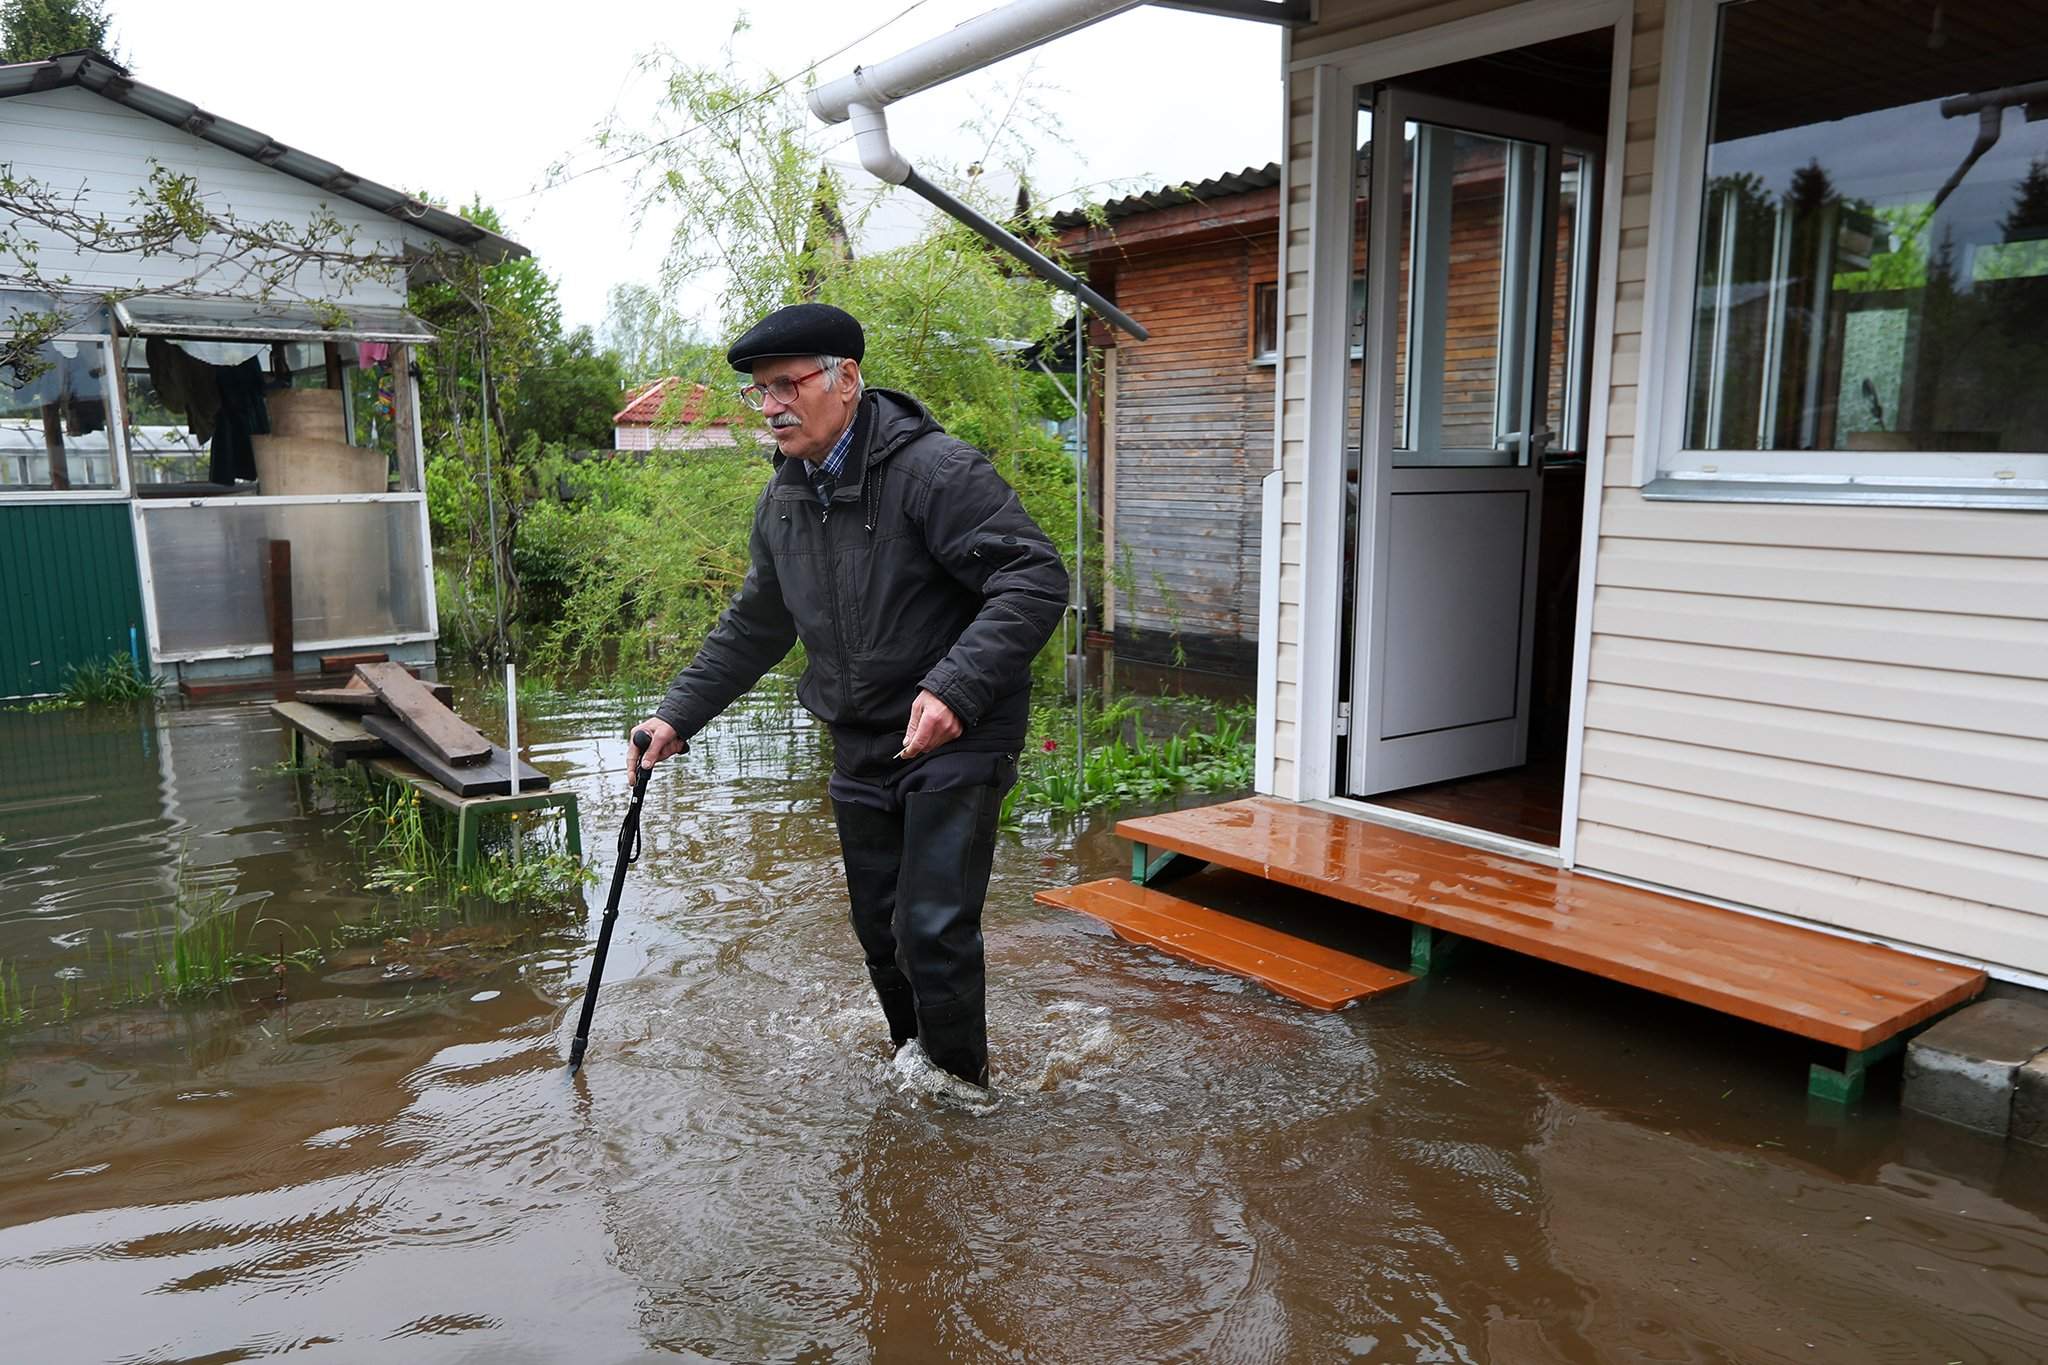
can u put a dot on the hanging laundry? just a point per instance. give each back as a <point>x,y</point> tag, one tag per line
<point>243,414</point>
<point>370,353</point>
<point>185,385</point>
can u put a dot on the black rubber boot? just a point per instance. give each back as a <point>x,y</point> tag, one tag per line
<point>871,842</point>
<point>948,847</point>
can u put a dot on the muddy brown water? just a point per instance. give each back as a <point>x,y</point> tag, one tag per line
<point>1507,1163</point>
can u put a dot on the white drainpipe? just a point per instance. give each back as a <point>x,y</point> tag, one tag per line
<point>983,40</point>
<point>978,42</point>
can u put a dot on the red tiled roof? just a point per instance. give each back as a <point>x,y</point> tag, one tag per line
<point>644,409</point>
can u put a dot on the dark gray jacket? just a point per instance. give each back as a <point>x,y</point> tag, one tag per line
<point>925,573</point>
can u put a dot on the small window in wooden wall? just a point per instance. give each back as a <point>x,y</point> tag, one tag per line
<point>1265,322</point>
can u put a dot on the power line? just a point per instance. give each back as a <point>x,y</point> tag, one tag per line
<point>764,95</point>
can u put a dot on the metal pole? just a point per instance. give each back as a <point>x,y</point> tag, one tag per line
<point>1080,550</point>
<point>512,742</point>
<point>490,482</point>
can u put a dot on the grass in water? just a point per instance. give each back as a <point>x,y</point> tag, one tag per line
<point>408,847</point>
<point>13,1009</point>
<point>1210,751</point>
<point>112,679</point>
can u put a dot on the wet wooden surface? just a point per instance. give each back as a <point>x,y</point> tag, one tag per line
<point>446,735</point>
<point>1829,989</point>
<point>1523,803</point>
<point>343,736</point>
<point>1306,972</point>
<point>491,777</point>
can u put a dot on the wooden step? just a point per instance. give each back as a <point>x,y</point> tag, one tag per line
<point>1833,990</point>
<point>1306,972</point>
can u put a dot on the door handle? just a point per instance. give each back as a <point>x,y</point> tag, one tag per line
<point>1539,441</point>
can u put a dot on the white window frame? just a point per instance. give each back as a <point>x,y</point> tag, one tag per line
<point>1665,469</point>
<point>117,438</point>
<point>408,393</point>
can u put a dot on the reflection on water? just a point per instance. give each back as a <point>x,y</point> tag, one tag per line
<point>1511,1163</point>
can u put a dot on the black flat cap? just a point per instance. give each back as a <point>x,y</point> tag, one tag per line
<point>800,329</point>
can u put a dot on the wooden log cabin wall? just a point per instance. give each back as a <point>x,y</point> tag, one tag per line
<point>1184,421</point>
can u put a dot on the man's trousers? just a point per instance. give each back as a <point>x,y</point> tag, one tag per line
<point>917,877</point>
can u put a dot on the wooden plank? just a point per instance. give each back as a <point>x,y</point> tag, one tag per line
<point>492,777</point>
<point>399,770</point>
<point>277,603</point>
<point>339,735</point>
<point>1829,989</point>
<point>446,735</point>
<point>358,696</point>
<point>343,663</point>
<point>1305,972</point>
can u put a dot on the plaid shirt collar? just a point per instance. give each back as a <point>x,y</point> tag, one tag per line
<point>827,471</point>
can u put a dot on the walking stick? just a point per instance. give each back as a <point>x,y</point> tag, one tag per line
<point>629,853</point>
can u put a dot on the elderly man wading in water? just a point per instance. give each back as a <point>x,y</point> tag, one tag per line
<point>921,590</point>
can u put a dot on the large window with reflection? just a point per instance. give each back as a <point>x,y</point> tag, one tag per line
<point>54,413</point>
<point>1872,265</point>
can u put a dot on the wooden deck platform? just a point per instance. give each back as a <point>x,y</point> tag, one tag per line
<point>1858,996</point>
<point>1307,973</point>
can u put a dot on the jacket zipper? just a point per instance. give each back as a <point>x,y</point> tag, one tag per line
<point>832,588</point>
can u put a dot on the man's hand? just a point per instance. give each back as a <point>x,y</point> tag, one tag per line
<point>665,743</point>
<point>932,723</point>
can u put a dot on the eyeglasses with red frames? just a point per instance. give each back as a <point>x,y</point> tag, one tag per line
<point>783,390</point>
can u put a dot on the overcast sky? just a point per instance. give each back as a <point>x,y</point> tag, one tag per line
<point>461,98</point>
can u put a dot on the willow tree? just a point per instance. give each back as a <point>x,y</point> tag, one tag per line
<point>759,216</point>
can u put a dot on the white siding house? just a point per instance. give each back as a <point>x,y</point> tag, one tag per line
<point>1754,444</point>
<point>188,546</point>
<point>1808,682</point>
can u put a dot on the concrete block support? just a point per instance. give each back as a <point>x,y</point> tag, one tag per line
<point>2030,1103</point>
<point>1965,1069</point>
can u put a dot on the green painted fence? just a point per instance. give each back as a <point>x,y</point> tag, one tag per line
<point>68,590</point>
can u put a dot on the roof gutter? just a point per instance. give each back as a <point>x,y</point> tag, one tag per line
<point>988,38</point>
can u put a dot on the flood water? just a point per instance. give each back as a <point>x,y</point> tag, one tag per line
<point>1507,1163</point>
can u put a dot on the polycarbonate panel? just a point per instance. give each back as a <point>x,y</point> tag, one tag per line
<point>268,320</point>
<point>355,571</point>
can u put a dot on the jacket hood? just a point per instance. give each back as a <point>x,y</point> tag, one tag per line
<point>895,419</point>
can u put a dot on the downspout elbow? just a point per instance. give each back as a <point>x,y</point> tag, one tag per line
<point>871,138</point>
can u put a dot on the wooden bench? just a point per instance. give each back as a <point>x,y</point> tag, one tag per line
<point>1861,997</point>
<point>345,740</point>
<point>469,811</point>
<point>342,737</point>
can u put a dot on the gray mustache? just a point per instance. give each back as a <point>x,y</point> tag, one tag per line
<point>784,419</point>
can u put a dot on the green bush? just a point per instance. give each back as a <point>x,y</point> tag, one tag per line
<point>109,680</point>
<point>657,551</point>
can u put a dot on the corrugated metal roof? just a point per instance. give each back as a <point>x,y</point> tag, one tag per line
<point>91,71</point>
<point>1171,196</point>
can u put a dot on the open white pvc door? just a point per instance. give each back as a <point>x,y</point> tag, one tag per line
<point>1463,241</point>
